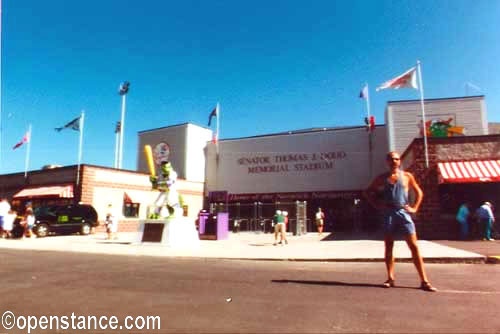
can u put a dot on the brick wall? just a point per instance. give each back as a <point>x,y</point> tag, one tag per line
<point>430,221</point>
<point>100,186</point>
<point>123,226</point>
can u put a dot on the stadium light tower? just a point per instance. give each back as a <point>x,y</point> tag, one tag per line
<point>123,90</point>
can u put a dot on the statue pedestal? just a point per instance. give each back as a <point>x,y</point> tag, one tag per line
<point>172,232</point>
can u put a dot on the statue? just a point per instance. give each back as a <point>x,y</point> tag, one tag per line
<point>178,231</point>
<point>169,203</point>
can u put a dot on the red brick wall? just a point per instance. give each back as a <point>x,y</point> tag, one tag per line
<point>123,226</point>
<point>430,221</point>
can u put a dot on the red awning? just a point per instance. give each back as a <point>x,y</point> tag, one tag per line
<point>126,198</point>
<point>469,171</point>
<point>54,191</point>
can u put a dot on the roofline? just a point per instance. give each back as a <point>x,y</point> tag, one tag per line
<point>303,131</point>
<point>439,99</point>
<point>172,126</point>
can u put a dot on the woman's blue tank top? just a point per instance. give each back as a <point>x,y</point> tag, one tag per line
<point>395,194</point>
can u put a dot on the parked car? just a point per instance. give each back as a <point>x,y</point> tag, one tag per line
<point>72,218</point>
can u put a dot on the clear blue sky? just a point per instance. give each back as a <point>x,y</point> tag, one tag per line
<point>272,66</point>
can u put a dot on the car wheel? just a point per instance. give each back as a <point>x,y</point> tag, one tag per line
<point>42,230</point>
<point>85,229</point>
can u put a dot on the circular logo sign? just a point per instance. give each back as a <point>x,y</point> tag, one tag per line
<point>161,153</point>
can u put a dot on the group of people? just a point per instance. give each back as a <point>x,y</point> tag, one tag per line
<point>8,216</point>
<point>483,215</point>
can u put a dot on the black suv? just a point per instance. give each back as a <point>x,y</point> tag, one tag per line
<point>70,218</point>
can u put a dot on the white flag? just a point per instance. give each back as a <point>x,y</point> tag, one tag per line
<point>405,80</point>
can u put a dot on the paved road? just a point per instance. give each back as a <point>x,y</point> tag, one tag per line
<point>232,296</point>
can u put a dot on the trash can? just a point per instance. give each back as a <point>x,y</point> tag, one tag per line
<point>214,227</point>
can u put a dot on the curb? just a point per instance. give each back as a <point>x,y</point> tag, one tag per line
<point>493,260</point>
<point>478,260</point>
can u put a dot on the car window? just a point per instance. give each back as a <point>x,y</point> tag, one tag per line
<point>45,211</point>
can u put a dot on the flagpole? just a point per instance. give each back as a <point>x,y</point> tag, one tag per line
<point>217,131</point>
<point>423,113</point>
<point>368,101</point>
<point>117,143</point>
<point>122,127</point>
<point>28,149</point>
<point>82,119</point>
<point>1,84</point>
<point>370,153</point>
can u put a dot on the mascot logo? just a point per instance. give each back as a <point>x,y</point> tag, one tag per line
<point>441,128</point>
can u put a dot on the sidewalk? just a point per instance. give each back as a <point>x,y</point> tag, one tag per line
<point>256,246</point>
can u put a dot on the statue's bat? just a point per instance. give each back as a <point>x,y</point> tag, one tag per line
<point>149,157</point>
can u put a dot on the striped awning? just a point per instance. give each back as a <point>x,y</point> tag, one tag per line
<point>53,191</point>
<point>469,171</point>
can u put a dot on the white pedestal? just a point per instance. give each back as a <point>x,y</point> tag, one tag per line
<point>176,232</point>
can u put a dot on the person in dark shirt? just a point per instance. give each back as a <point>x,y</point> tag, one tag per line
<point>486,219</point>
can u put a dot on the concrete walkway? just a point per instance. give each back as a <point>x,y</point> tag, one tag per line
<point>254,246</point>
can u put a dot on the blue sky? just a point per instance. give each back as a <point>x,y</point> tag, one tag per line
<point>272,66</point>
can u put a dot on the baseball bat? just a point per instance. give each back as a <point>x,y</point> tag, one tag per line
<point>149,158</point>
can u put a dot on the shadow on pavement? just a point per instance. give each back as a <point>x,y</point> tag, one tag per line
<point>353,236</point>
<point>335,283</point>
<point>115,242</point>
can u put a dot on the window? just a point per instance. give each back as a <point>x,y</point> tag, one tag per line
<point>131,210</point>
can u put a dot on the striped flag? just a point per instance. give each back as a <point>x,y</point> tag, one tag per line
<point>405,80</point>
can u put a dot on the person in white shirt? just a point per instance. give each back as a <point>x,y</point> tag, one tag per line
<point>8,223</point>
<point>111,223</point>
<point>4,211</point>
<point>320,221</point>
<point>29,223</point>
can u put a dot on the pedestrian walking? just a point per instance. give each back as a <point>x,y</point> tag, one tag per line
<point>29,223</point>
<point>111,224</point>
<point>279,228</point>
<point>396,209</point>
<point>320,221</point>
<point>486,219</point>
<point>462,217</point>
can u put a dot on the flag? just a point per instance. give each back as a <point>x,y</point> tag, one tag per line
<point>74,124</point>
<point>370,123</point>
<point>364,92</point>
<point>123,89</point>
<point>405,80</point>
<point>25,139</point>
<point>212,114</point>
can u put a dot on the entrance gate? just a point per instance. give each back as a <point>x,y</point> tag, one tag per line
<point>258,216</point>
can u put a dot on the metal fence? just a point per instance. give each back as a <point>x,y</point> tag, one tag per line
<point>258,217</point>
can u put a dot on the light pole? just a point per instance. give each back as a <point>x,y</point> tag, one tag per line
<point>117,143</point>
<point>123,90</point>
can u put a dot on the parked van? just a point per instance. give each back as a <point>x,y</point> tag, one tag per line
<point>72,218</point>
